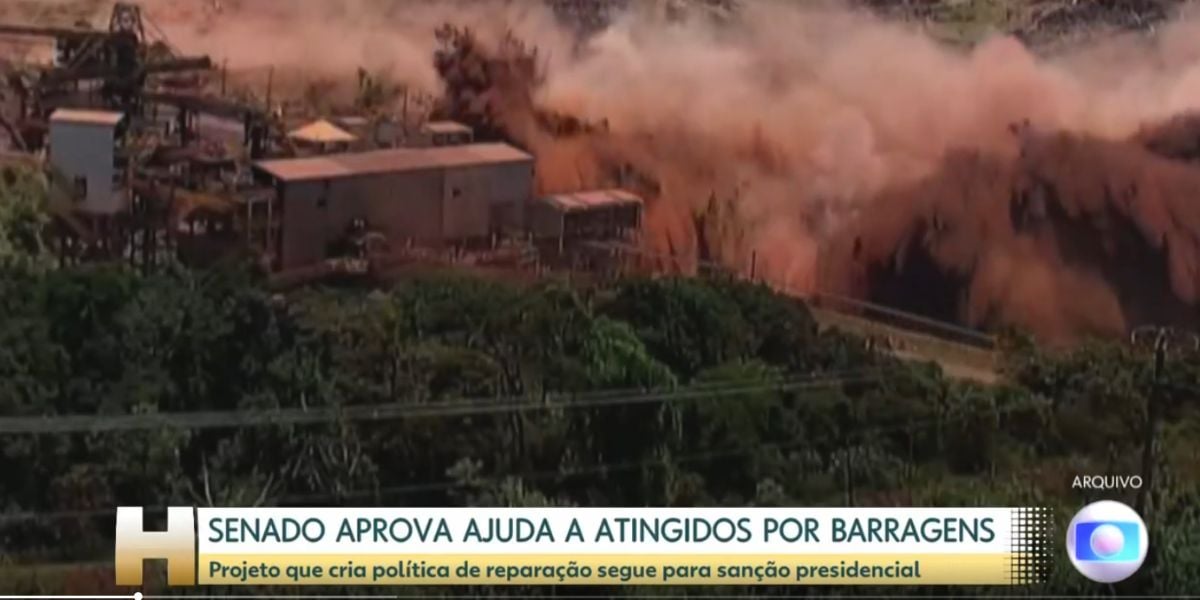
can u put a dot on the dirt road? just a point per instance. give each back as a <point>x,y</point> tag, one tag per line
<point>957,360</point>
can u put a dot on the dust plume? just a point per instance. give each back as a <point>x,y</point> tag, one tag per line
<point>308,41</point>
<point>797,133</point>
<point>846,153</point>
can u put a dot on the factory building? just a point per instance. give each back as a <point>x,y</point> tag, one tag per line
<point>85,147</point>
<point>586,216</point>
<point>421,196</point>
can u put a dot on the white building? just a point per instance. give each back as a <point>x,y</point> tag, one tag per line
<point>84,147</point>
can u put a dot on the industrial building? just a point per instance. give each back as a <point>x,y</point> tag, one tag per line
<point>586,216</point>
<point>160,165</point>
<point>446,133</point>
<point>85,146</point>
<point>423,196</point>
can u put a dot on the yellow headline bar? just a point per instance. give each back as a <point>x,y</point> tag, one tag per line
<point>598,569</point>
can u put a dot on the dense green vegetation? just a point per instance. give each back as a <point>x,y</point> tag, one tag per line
<point>776,413</point>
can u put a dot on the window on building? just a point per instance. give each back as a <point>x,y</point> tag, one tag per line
<point>323,199</point>
<point>80,188</point>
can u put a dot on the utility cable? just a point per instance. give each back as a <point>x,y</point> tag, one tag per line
<point>909,426</point>
<point>243,418</point>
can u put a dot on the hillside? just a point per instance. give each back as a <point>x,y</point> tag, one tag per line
<point>1039,22</point>
<point>183,387</point>
<point>1035,20</point>
<point>179,386</point>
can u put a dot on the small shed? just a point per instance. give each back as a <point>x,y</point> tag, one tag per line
<point>447,133</point>
<point>377,132</point>
<point>592,215</point>
<point>356,125</point>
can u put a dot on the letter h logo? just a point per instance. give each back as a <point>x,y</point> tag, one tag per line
<point>177,545</point>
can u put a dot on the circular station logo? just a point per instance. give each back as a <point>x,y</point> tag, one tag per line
<point>1107,541</point>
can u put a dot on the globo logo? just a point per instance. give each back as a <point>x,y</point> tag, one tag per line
<point>1107,541</point>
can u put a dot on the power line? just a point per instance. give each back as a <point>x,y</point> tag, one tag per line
<point>976,337</point>
<point>603,468</point>
<point>238,419</point>
<point>403,490</point>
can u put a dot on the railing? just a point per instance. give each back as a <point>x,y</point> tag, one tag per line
<point>884,314</point>
<point>904,320</point>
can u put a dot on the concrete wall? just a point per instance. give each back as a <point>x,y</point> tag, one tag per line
<point>405,206</point>
<point>429,207</point>
<point>402,206</point>
<point>545,221</point>
<point>466,203</point>
<point>510,192</point>
<point>302,224</point>
<point>87,150</point>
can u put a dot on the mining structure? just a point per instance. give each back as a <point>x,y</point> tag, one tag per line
<point>150,160</point>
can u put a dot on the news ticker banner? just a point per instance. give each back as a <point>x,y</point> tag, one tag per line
<point>590,546</point>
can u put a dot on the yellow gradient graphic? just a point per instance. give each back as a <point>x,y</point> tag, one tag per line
<point>177,545</point>
<point>389,569</point>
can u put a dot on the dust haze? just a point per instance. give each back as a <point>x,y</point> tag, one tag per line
<point>986,185</point>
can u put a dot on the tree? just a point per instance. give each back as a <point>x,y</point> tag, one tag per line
<point>684,323</point>
<point>24,198</point>
<point>105,340</point>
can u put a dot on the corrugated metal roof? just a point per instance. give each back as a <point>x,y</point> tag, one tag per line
<point>88,117</point>
<point>446,127</point>
<point>390,161</point>
<point>591,200</point>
